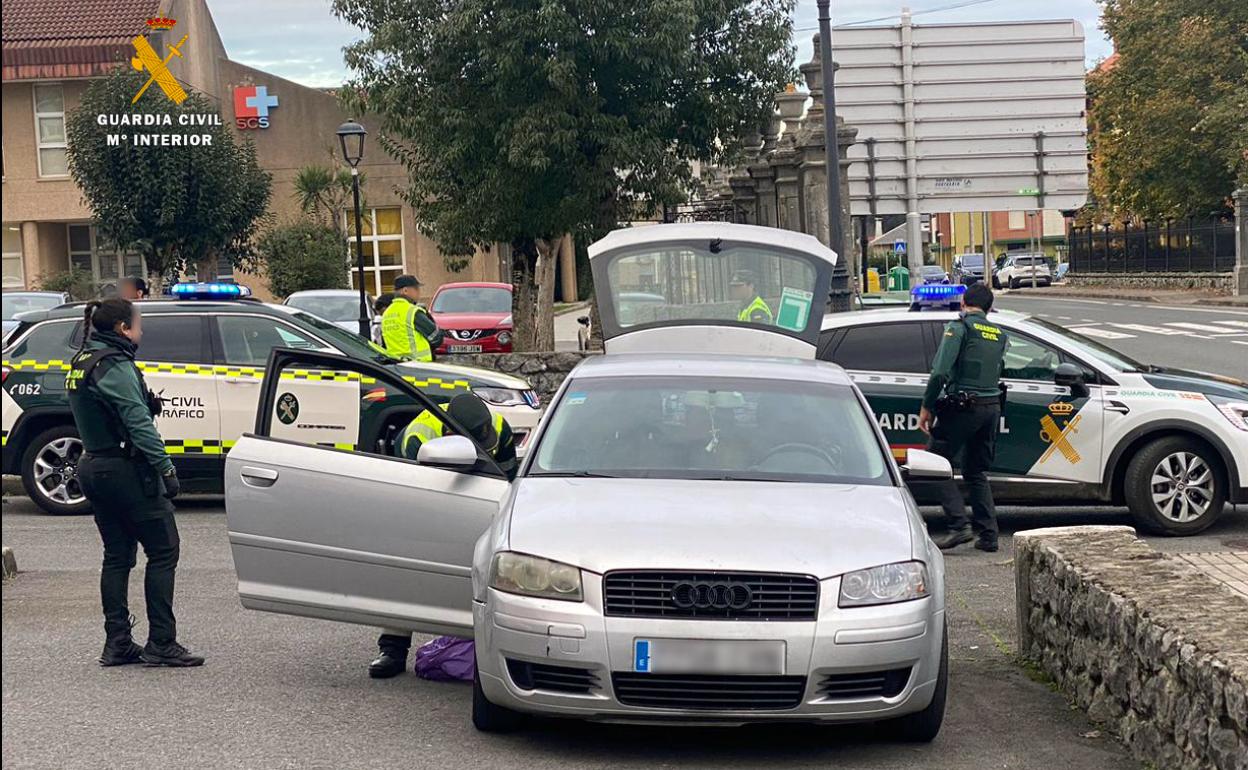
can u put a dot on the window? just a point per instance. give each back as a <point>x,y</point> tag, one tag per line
<point>176,339</point>
<point>383,248</point>
<point>1018,220</point>
<point>247,340</point>
<point>88,252</point>
<point>897,347</point>
<point>14,273</point>
<point>52,341</point>
<point>50,129</point>
<point>1026,359</point>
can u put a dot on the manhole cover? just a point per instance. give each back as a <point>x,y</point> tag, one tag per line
<point>1236,543</point>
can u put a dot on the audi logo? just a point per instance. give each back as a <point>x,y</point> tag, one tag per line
<point>712,596</point>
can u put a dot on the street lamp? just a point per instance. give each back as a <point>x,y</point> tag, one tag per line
<point>351,137</point>
<point>840,294</point>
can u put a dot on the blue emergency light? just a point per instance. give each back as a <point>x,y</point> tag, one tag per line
<point>202,290</point>
<point>936,294</point>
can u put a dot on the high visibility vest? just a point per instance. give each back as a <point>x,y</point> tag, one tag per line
<point>398,332</point>
<point>427,426</point>
<point>757,306</point>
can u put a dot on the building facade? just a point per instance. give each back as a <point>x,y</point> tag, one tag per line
<point>50,57</point>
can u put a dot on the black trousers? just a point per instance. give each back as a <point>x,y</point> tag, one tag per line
<point>130,509</point>
<point>395,644</point>
<point>973,434</point>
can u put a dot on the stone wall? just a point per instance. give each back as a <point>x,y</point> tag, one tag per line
<point>544,371</point>
<point>1218,283</point>
<point>1151,647</point>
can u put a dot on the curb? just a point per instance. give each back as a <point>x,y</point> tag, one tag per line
<point>10,563</point>
<point>1222,301</point>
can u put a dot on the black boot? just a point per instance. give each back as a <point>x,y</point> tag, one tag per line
<point>170,654</point>
<point>987,543</point>
<point>120,651</point>
<point>954,538</point>
<point>389,663</point>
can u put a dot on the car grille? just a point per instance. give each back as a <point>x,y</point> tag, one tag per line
<point>540,676</point>
<point>650,594</point>
<point>708,691</point>
<point>864,684</point>
<point>467,335</point>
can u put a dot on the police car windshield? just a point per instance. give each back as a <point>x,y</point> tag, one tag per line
<point>711,428</point>
<point>1089,348</point>
<point>351,344</point>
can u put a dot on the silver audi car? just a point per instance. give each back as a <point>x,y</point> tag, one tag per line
<point>709,526</point>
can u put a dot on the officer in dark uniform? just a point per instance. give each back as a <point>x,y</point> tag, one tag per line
<point>129,480</point>
<point>492,432</point>
<point>964,398</point>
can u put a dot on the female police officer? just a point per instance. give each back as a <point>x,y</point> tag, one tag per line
<point>129,480</point>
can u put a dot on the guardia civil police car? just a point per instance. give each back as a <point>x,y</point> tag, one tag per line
<point>205,354</point>
<point>1083,423</point>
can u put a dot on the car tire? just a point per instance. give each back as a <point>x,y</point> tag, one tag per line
<point>923,726</point>
<point>489,717</point>
<point>996,282</point>
<point>1185,469</point>
<point>1013,283</point>
<point>48,460</point>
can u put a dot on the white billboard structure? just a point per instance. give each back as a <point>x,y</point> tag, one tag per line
<point>963,117</point>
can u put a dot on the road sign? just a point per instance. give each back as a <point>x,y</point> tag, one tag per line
<point>899,246</point>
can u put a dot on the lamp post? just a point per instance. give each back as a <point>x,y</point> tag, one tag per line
<point>351,137</point>
<point>840,293</point>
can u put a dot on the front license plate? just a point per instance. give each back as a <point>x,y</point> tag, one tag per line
<point>465,348</point>
<point>701,656</point>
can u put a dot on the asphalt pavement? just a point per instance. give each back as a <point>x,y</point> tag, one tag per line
<point>1210,339</point>
<point>287,692</point>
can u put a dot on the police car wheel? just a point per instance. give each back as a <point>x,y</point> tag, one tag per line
<point>488,717</point>
<point>50,472</point>
<point>1175,486</point>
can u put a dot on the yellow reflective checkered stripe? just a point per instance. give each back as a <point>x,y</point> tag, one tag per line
<point>332,445</point>
<point>437,382</point>
<point>196,446</point>
<point>55,365</point>
<point>4,438</point>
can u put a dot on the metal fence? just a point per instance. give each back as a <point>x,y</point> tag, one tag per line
<point>704,211</point>
<point>1178,246</point>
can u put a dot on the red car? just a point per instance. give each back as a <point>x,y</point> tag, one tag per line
<point>476,317</point>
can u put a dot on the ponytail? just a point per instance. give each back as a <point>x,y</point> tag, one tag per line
<point>103,315</point>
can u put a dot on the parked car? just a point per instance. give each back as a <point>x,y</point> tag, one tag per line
<point>632,306</point>
<point>474,317</point>
<point>932,274</point>
<point>968,268</point>
<point>15,302</point>
<point>341,307</point>
<point>1023,270</point>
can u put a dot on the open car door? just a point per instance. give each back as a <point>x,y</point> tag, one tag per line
<point>361,536</point>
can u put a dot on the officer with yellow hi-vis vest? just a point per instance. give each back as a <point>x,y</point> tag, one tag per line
<point>407,330</point>
<point>741,289</point>
<point>492,432</point>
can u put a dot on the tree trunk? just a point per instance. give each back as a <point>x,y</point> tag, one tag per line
<point>533,278</point>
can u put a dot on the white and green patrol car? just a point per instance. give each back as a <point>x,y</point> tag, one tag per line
<point>1082,424</point>
<point>205,354</point>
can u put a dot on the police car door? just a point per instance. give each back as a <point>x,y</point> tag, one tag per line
<point>355,536</point>
<point>1046,431</point>
<point>172,356</point>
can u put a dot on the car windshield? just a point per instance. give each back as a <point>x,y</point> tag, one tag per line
<point>711,428</point>
<point>1089,348</point>
<point>346,342</point>
<point>972,260</point>
<point>20,303</point>
<point>473,299</point>
<point>329,307</point>
<point>933,270</point>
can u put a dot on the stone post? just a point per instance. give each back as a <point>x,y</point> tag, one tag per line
<point>744,199</point>
<point>783,160</point>
<point>1241,242</point>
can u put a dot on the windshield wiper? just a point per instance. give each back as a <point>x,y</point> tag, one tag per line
<point>574,475</point>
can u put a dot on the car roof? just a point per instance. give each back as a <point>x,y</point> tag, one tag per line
<point>710,365</point>
<point>326,293</point>
<point>887,315</point>
<point>36,292</point>
<point>475,285</point>
<point>74,309</point>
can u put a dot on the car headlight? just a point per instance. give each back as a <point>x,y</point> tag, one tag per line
<point>503,337</point>
<point>1235,411</point>
<point>886,584</point>
<point>517,573</point>
<point>500,396</point>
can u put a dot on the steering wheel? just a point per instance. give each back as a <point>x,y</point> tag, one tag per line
<point>794,446</point>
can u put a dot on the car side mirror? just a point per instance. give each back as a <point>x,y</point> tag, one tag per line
<point>583,320</point>
<point>1068,375</point>
<point>922,464</point>
<point>453,452</point>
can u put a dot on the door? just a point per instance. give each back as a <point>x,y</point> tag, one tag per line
<point>173,355</point>
<point>1046,431</point>
<point>354,536</point>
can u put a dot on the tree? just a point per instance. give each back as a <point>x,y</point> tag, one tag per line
<point>303,255</point>
<point>181,207</point>
<point>522,120</point>
<point>325,193</point>
<point>1169,118</point>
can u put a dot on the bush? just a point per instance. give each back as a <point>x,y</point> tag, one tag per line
<point>301,256</point>
<point>78,284</point>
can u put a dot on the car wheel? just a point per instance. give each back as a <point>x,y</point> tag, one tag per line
<point>996,282</point>
<point>923,726</point>
<point>488,717</point>
<point>1013,283</point>
<point>1175,486</point>
<point>50,472</point>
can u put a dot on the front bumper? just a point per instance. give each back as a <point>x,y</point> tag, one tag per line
<point>578,636</point>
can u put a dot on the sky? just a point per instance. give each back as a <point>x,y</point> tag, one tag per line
<point>302,40</point>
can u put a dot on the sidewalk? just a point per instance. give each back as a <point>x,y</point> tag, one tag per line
<point>1161,296</point>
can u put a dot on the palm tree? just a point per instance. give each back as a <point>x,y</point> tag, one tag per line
<point>325,194</point>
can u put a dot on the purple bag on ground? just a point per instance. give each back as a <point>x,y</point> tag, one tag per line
<point>447,659</point>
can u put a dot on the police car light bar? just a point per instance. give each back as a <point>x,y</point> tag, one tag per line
<point>937,292</point>
<point>209,291</point>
